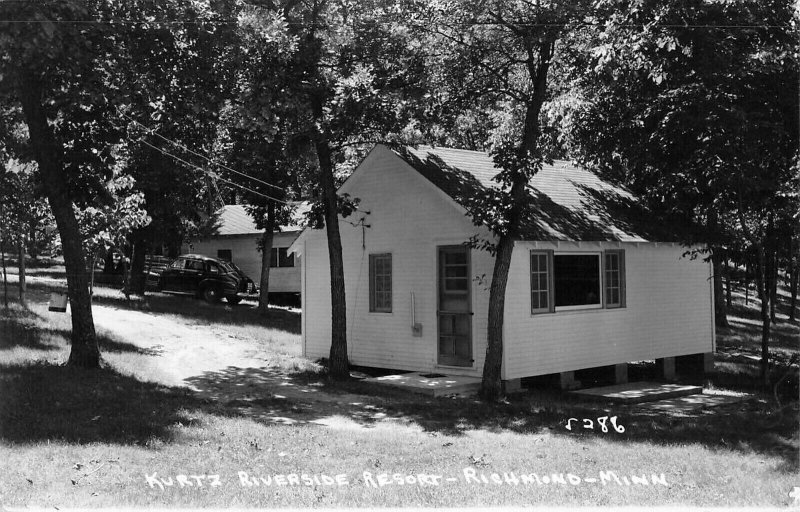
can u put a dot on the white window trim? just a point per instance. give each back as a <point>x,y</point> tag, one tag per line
<point>622,304</point>
<point>548,253</point>
<point>578,307</point>
<point>370,284</point>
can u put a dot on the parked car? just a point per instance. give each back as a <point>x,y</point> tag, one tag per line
<point>250,285</point>
<point>203,276</point>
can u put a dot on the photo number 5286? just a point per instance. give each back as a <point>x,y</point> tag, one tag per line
<point>602,421</point>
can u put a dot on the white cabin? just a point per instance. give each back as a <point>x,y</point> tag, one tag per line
<point>589,285</point>
<point>236,240</point>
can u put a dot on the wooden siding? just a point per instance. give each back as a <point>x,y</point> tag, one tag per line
<point>248,258</point>
<point>409,218</point>
<point>668,298</point>
<point>668,313</point>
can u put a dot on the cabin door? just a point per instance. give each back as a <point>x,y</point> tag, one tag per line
<point>455,306</point>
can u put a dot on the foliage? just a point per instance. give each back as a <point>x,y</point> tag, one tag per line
<point>693,105</point>
<point>495,61</point>
<point>107,226</point>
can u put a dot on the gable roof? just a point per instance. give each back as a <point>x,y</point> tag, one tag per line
<point>564,202</point>
<point>233,219</point>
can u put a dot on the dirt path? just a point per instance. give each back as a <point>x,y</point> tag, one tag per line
<point>184,350</point>
<point>234,371</point>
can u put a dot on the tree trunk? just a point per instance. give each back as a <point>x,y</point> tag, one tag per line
<point>22,284</point>
<point>49,157</point>
<point>728,297</point>
<point>91,278</point>
<point>266,257</point>
<point>747,283</point>
<point>126,278</point>
<point>5,277</point>
<point>339,364</point>
<point>720,311</point>
<point>491,385</point>
<point>32,249</point>
<point>793,280</point>
<point>137,280</point>
<point>761,276</point>
<point>773,287</point>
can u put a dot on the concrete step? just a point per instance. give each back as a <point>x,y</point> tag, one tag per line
<point>637,392</point>
<point>431,384</point>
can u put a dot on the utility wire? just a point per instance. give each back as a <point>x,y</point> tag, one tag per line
<point>469,24</point>
<point>214,162</point>
<point>213,175</point>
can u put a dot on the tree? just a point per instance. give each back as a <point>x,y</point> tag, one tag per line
<point>107,227</point>
<point>254,134</point>
<point>693,105</point>
<point>175,85</point>
<point>57,72</point>
<point>497,57</point>
<point>337,90</point>
<point>19,211</point>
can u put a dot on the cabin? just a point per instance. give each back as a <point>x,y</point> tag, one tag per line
<point>236,238</point>
<point>593,281</point>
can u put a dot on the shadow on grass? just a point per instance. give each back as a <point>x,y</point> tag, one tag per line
<point>49,402</point>
<point>23,327</point>
<point>244,313</point>
<point>274,396</point>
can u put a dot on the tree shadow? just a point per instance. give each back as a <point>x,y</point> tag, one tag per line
<point>745,327</point>
<point>23,327</point>
<point>572,206</point>
<point>43,401</point>
<point>275,396</point>
<point>245,313</point>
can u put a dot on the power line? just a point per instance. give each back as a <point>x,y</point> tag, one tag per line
<point>469,24</point>
<point>213,175</point>
<point>214,162</point>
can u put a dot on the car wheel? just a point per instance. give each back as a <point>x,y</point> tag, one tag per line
<point>211,295</point>
<point>233,299</point>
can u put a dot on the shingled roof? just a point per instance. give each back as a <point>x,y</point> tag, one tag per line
<point>233,219</point>
<point>565,202</point>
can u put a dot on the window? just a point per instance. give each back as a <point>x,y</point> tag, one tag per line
<point>614,267</point>
<point>455,272</point>
<point>576,279</point>
<point>380,283</point>
<point>224,254</point>
<point>285,259</point>
<point>541,286</point>
<point>194,265</point>
<point>561,282</point>
<point>213,268</point>
<point>279,257</point>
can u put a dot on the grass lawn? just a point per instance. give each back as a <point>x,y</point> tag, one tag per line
<point>119,437</point>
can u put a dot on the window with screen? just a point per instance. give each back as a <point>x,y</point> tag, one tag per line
<point>380,283</point>
<point>566,281</point>
<point>541,301</point>
<point>614,269</point>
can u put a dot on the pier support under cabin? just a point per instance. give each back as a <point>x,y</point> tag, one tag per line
<point>567,380</point>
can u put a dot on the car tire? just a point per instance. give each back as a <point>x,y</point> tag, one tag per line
<point>211,295</point>
<point>233,299</point>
